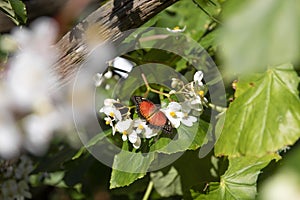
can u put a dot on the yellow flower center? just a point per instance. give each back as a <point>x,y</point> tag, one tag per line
<point>111,114</point>
<point>176,28</point>
<point>141,127</point>
<point>201,93</point>
<point>107,122</point>
<point>173,114</point>
<point>125,132</point>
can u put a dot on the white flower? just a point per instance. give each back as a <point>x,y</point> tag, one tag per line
<point>110,102</point>
<point>142,128</point>
<point>108,74</point>
<point>30,76</point>
<point>126,129</point>
<point>134,139</point>
<point>188,120</point>
<point>176,29</point>
<point>137,140</point>
<point>198,76</point>
<point>109,121</point>
<point>174,114</point>
<point>112,112</point>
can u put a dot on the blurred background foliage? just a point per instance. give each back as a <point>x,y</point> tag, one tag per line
<point>250,42</point>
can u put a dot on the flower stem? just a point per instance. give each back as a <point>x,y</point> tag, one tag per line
<point>149,89</point>
<point>148,191</point>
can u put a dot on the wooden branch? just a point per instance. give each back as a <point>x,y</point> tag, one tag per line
<point>115,17</point>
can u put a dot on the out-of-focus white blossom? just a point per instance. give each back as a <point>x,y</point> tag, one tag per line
<point>30,77</point>
<point>39,130</point>
<point>29,114</point>
<point>10,137</point>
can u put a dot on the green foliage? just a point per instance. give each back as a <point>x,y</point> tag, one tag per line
<point>15,9</point>
<point>259,34</point>
<point>265,116</point>
<point>261,122</point>
<point>128,167</point>
<point>239,181</point>
<point>168,184</point>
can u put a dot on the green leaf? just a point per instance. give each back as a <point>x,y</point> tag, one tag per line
<point>128,167</point>
<point>97,138</point>
<point>189,138</point>
<point>20,10</point>
<point>265,115</point>
<point>260,33</point>
<point>167,185</point>
<point>239,181</point>
<point>15,9</point>
<point>186,14</point>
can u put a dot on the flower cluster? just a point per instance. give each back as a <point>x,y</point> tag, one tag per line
<point>193,94</point>
<point>118,116</point>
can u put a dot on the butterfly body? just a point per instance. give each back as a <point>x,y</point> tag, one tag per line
<point>150,112</point>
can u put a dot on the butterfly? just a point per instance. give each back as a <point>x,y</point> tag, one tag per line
<point>151,113</point>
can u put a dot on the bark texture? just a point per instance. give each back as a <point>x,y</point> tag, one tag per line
<point>113,18</point>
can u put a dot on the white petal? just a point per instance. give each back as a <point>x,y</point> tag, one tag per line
<point>137,144</point>
<point>149,133</point>
<point>10,138</point>
<point>118,114</point>
<point>133,137</point>
<point>175,122</point>
<point>122,126</point>
<point>174,106</point>
<point>110,102</point>
<point>198,76</point>
<point>188,121</point>
<point>108,74</point>
<point>124,137</point>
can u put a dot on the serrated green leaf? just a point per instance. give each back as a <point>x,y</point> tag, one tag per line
<point>260,33</point>
<point>167,185</point>
<point>239,181</point>
<point>128,167</point>
<point>189,138</point>
<point>265,115</point>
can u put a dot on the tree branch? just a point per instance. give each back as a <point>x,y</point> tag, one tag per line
<point>116,16</point>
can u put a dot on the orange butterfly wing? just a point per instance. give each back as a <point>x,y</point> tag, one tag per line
<point>150,112</point>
